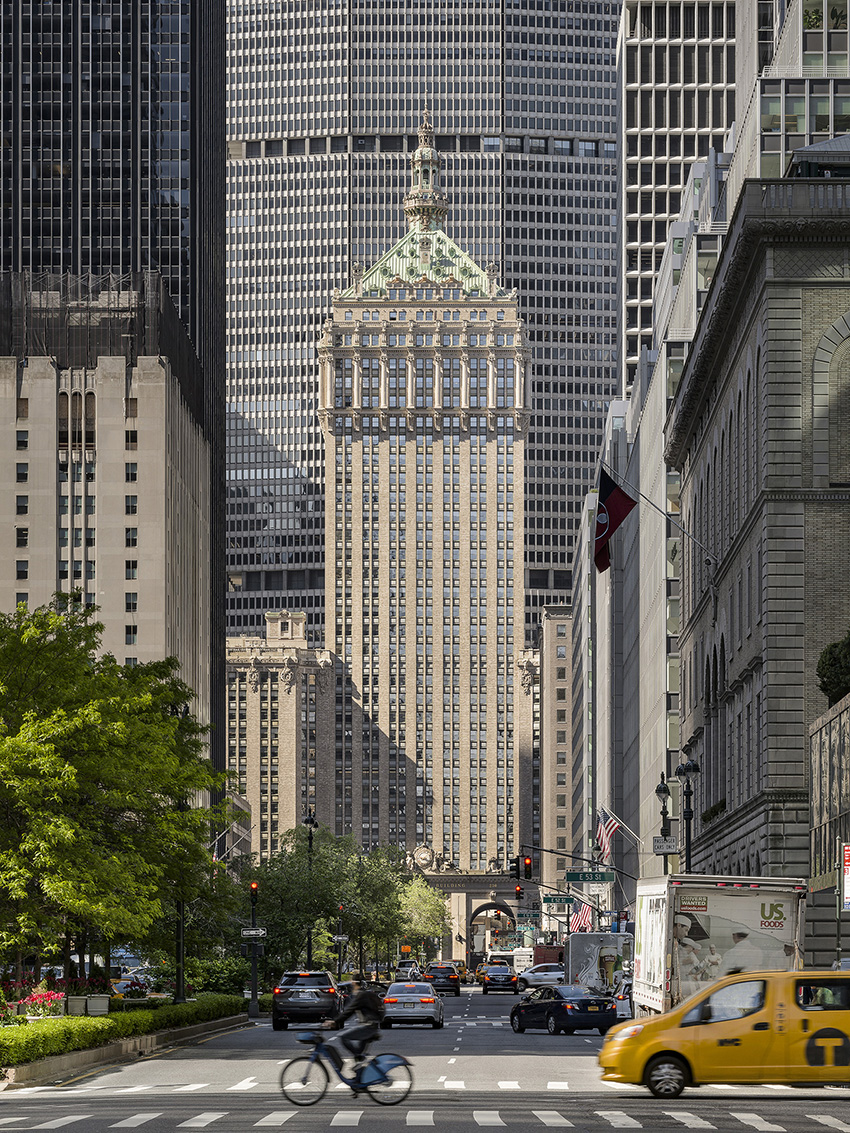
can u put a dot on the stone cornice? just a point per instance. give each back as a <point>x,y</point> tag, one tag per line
<point>758,220</point>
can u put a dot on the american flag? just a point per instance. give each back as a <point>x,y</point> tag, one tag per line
<point>605,830</point>
<point>580,921</point>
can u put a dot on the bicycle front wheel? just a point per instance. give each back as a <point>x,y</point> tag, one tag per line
<point>304,1081</point>
<point>396,1085</point>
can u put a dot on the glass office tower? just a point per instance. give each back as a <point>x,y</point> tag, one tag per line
<point>323,107</point>
<point>112,162</point>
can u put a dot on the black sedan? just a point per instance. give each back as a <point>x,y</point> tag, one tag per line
<point>498,977</point>
<point>567,1009</point>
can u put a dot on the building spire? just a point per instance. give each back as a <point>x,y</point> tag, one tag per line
<point>425,205</point>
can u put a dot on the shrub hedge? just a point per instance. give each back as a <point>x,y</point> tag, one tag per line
<point>43,1037</point>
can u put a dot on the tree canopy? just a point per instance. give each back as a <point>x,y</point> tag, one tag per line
<point>98,763</point>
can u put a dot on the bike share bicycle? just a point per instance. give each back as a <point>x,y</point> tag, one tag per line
<point>386,1078</point>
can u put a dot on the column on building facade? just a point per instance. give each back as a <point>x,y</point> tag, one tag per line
<point>356,382</point>
<point>464,380</point>
<point>520,378</point>
<point>411,381</point>
<point>384,389</point>
<point>491,380</point>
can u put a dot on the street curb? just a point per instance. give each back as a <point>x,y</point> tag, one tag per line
<point>58,1066</point>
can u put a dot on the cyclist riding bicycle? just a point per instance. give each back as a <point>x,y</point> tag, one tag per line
<point>369,1009</point>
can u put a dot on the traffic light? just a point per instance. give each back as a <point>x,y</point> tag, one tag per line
<point>515,867</point>
<point>526,865</point>
<point>255,888</point>
<point>518,889</point>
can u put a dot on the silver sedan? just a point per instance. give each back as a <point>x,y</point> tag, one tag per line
<point>412,1003</point>
<point>541,975</point>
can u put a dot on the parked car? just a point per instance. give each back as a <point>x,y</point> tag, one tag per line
<point>304,997</point>
<point>541,975</point>
<point>443,977</point>
<point>415,1002</point>
<point>568,1008</point>
<point>499,977</point>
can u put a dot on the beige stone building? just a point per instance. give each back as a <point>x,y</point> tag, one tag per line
<point>280,728</point>
<point>424,375</point>
<point>107,468</point>
<point>758,432</point>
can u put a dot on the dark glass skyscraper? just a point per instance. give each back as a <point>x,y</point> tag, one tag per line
<point>112,161</point>
<point>323,106</point>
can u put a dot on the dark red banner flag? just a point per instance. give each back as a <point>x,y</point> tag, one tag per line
<point>613,507</point>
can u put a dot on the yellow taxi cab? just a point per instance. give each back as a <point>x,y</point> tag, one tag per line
<point>479,972</point>
<point>791,1028</point>
<point>461,970</point>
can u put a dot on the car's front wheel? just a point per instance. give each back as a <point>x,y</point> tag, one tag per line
<point>516,1024</point>
<point>666,1076</point>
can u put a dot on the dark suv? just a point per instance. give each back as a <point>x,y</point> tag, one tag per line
<point>443,977</point>
<point>304,997</point>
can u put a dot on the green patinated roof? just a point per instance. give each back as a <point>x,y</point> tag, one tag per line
<point>405,262</point>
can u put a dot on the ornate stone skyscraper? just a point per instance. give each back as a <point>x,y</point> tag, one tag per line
<point>424,375</point>
<point>323,107</point>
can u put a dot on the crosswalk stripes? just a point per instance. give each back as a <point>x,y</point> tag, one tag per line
<point>485,1118</point>
<point>689,1120</point>
<point>618,1119</point>
<point>58,1122</point>
<point>135,1121</point>
<point>756,1122</point>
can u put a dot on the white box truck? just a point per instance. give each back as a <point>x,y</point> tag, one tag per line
<point>691,929</point>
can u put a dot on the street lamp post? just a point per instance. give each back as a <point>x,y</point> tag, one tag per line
<point>686,773</point>
<point>662,793</point>
<point>309,820</point>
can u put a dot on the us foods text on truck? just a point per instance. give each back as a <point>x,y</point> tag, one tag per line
<point>690,930</point>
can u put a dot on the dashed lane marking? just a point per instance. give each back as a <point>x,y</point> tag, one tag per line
<point>552,1119</point>
<point>346,1118</point>
<point>273,1119</point>
<point>487,1117</point>
<point>557,1085</point>
<point>509,1086</point>
<point>829,1121</point>
<point>420,1117</point>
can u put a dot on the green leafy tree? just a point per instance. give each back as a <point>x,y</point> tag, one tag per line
<point>833,670</point>
<point>97,765</point>
<point>424,910</point>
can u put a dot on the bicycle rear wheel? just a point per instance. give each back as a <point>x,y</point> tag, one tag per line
<point>304,1081</point>
<point>396,1085</point>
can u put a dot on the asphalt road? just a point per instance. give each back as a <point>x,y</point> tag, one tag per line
<point>474,1073</point>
